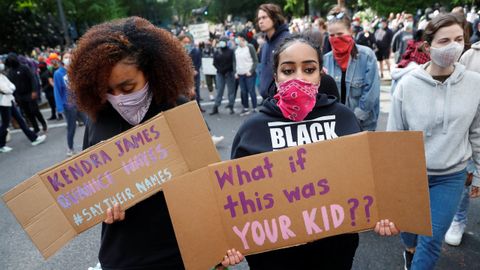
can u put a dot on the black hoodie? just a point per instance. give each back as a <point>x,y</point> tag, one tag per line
<point>145,240</point>
<point>268,130</point>
<point>21,76</point>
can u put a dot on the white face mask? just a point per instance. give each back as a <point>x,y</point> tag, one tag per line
<point>446,56</point>
<point>132,107</point>
<point>66,62</point>
<point>2,67</point>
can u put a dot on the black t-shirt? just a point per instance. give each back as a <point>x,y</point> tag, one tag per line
<point>145,239</point>
<point>44,76</point>
<point>328,86</point>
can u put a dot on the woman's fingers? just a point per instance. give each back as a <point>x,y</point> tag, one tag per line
<point>109,219</point>
<point>118,213</point>
<point>233,257</point>
<point>115,214</point>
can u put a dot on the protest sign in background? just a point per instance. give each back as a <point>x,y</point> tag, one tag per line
<point>199,32</point>
<point>60,202</point>
<point>300,194</point>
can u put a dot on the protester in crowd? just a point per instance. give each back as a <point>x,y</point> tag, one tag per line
<point>321,25</point>
<point>476,31</point>
<point>354,68</point>
<point>471,60</point>
<point>196,56</point>
<point>426,18</point>
<point>297,72</point>
<point>65,102</point>
<point>383,39</point>
<point>366,38</point>
<point>441,99</point>
<point>414,55</point>
<point>25,93</point>
<point>356,26</point>
<point>47,87</point>
<point>272,23</point>
<point>401,38</point>
<point>9,110</point>
<point>207,52</point>
<point>6,98</point>
<point>130,87</point>
<point>245,65</point>
<point>223,60</point>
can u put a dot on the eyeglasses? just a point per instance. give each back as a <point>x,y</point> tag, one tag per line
<point>335,17</point>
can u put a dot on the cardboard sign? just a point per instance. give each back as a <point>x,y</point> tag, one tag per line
<point>199,32</point>
<point>300,194</point>
<point>208,67</point>
<point>58,203</point>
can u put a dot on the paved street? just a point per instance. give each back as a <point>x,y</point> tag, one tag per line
<point>18,252</point>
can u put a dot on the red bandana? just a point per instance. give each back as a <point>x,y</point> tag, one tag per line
<point>342,47</point>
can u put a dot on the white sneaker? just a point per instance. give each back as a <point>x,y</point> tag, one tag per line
<point>244,112</point>
<point>5,149</point>
<point>217,139</point>
<point>454,234</point>
<point>96,267</point>
<point>212,98</point>
<point>70,152</point>
<point>40,139</point>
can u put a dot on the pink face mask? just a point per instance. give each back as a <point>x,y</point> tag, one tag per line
<point>296,98</point>
<point>132,107</point>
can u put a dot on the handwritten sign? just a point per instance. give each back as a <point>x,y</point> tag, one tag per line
<point>300,194</point>
<point>199,32</point>
<point>125,169</point>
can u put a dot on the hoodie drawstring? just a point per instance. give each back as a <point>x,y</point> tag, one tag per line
<point>432,113</point>
<point>446,109</point>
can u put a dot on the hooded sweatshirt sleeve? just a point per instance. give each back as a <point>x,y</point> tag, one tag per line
<point>395,117</point>
<point>6,87</point>
<point>474,137</point>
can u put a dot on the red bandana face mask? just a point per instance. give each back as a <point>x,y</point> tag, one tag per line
<point>296,98</point>
<point>342,47</point>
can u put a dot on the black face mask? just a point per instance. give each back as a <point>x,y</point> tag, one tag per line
<point>12,62</point>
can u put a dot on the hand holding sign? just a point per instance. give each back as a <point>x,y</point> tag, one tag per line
<point>233,257</point>
<point>117,214</point>
<point>386,228</point>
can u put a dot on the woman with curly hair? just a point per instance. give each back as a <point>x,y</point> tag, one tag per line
<point>123,73</point>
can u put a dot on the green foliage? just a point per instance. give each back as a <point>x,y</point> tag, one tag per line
<point>220,9</point>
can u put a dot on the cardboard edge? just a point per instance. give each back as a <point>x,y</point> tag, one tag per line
<point>47,236</point>
<point>203,207</point>
<point>181,129</point>
<point>392,180</point>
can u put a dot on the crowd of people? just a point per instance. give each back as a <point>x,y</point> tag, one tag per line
<point>303,69</point>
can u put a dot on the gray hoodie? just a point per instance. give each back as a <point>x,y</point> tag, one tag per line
<point>471,58</point>
<point>448,114</point>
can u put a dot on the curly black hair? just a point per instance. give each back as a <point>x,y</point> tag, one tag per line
<point>156,52</point>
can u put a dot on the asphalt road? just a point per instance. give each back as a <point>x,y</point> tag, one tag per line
<point>18,252</point>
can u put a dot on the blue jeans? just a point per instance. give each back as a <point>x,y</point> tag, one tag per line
<point>462,211</point>
<point>445,192</point>
<point>247,88</point>
<point>221,80</point>
<point>71,115</point>
<point>32,136</point>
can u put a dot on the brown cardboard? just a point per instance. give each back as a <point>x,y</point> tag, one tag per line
<point>48,204</point>
<point>382,174</point>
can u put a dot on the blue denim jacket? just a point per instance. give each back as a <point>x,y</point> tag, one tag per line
<point>363,85</point>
